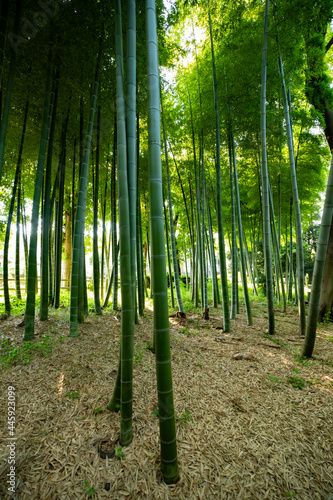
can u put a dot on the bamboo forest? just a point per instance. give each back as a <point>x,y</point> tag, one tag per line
<point>166,249</point>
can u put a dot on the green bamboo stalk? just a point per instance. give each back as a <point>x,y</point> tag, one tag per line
<point>25,243</point>
<point>73,189</point>
<point>60,210</point>
<point>139,246</point>
<point>10,214</point>
<point>78,240</point>
<point>277,252</point>
<point>169,463</point>
<point>127,312</point>
<point>32,269</point>
<point>324,232</point>
<point>234,274</point>
<point>131,137</point>
<point>212,255</point>
<point>172,229</point>
<point>265,183</point>
<point>81,291</point>
<point>203,211</point>
<point>249,265</point>
<point>96,274</point>
<point>108,292</point>
<point>104,246</point>
<point>182,189</point>
<point>3,29</point>
<point>185,262</point>
<point>290,255</point>
<point>17,246</point>
<point>46,214</point>
<point>114,220</point>
<point>168,254</point>
<point>240,237</point>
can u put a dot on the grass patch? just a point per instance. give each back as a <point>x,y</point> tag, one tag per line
<point>11,355</point>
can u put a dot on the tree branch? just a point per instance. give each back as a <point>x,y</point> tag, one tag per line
<point>329,45</point>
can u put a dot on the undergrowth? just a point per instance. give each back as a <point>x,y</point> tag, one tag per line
<point>11,355</point>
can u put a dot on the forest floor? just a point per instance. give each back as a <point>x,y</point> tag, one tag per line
<point>260,426</point>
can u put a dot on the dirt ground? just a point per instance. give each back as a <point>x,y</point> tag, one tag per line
<point>245,427</point>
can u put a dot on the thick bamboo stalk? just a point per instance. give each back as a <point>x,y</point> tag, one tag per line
<point>223,265</point>
<point>169,462</point>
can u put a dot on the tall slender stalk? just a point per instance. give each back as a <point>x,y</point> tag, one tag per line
<point>17,247</point>
<point>131,136</point>
<point>234,273</point>
<point>298,221</point>
<point>240,238</point>
<point>46,217</point>
<point>168,253</point>
<point>114,220</point>
<point>59,217</point>
<point>3,29</point>
<point>32,269</point>
<point>139,246</point>
<point>95,221</point>
<point>265,184</point>
<point>223,265</point>
<point>127,312</point>
<point>324,232</point>
<point>10,213</point>
<point>78,242</point>
<point>169,463</point>
<point>172,229</point>
<point>203,222</point>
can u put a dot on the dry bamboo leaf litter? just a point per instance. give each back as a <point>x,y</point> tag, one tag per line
<point>253,435</point>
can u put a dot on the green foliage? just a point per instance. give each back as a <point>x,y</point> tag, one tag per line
<point>72,395</point>
<point>138,353</point>
<point>302,360</point>
<point>186,331</point>
<point>11,355</point>
<point>98,410</point>
<point>290,495</point>
<point>185,417</point>
<point>90,490</point>
<point>148,346</point>
<point>17,306</point>
<point>119,452</point>
<point>297,382</point>
<point>274,379</point>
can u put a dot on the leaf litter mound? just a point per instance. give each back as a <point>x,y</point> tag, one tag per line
<point>252,420</point>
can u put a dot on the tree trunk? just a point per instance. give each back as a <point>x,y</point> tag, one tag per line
<point>265,184</point>
<point>77,257</point>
